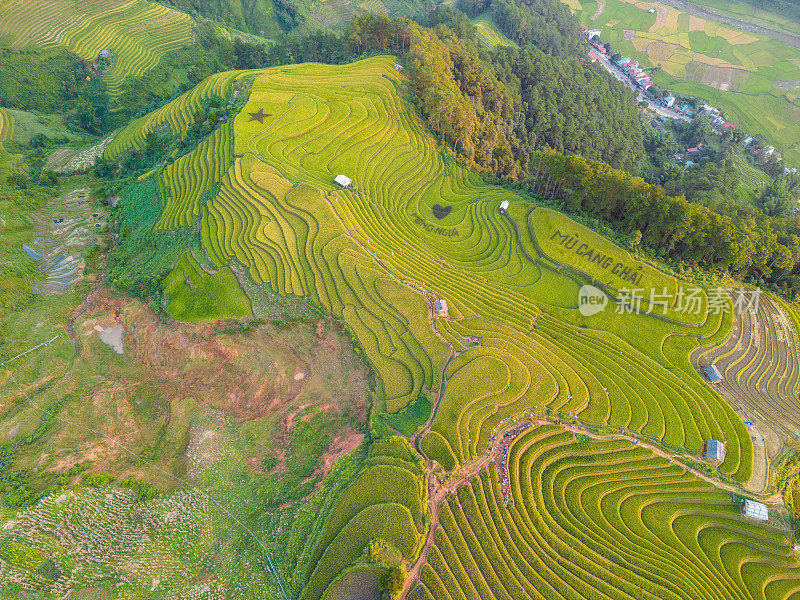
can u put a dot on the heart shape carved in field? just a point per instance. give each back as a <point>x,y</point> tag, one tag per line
<point>440,212</point>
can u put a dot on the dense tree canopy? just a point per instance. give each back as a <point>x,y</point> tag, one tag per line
<point>496,109</point>
<point>744,241</point>
<point>547,24</point>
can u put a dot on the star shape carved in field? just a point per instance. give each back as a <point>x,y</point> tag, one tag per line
<point>258,116</point>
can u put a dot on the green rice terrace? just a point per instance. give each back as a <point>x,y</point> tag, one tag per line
<point>485,436</point>
<point>137,33</point>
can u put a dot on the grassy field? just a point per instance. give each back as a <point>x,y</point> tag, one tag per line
<point>600,519</point>
<point>196,295</point>
<point>751,77</point>
<point>137,32</point>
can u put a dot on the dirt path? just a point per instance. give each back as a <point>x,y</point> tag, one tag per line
<point>437,493</point>
<point>600,7</point>
<point>709,13</point>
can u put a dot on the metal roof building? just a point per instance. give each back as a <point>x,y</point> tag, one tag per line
<point>755,510</point>
<point>715,450</point>
<point>713,374</point>
<point>504,205</point>
<point>343,180</point>
<point>440,306</point>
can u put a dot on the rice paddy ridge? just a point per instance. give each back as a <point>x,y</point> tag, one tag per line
<point>178,114</point>
<point>7,125</point>
<point>138,32</point>
<point>192,175</point>
<point>600,518</point>
<point>349,248</point>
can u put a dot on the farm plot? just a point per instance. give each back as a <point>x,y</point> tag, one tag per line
<point>157,546</point>
<point>760,366</point>
<point>411,230</point>
<point>601,519</point>
<point>138,33</point>
<point>67,160</point>
<point>737,71</point>
<point>65,229</point>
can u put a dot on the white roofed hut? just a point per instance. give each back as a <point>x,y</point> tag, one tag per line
<point>715,451</point>
<point>343,180</point>
<point>755,510</point>
<point>504,206</point>
<point>440,306</point>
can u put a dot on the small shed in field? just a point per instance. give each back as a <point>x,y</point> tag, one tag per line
<point>755,510</point>
<point>715,451</point>
<point>504,205</point>
<point>440,306</point>
<point>713,374</point>
<point>343,180</point>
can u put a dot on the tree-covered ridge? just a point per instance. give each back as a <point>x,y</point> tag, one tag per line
<point>547,24</point>
<point>746,242</point>
<point>496,109</point>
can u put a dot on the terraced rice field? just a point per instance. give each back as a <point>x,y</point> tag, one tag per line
<point>137,32</point>
<point>378,255</point>
<point>600,519</point>
<point>68,160</point>
<point>7,160</point>
<point>737,71</point>
<point>65,229</point>
<point>489,34</point>
<point>7,125</point>
<point>760,364</point>
<point>184,181</point>
<point>177,115</point>
<point>387,501</point>
<point>413,228</point>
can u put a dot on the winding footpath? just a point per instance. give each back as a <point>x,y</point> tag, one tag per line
<point>438,492</point>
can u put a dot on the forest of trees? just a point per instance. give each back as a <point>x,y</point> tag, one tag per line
<point>495,108</point>
<point>547,24</point>
<point>744,241</point>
